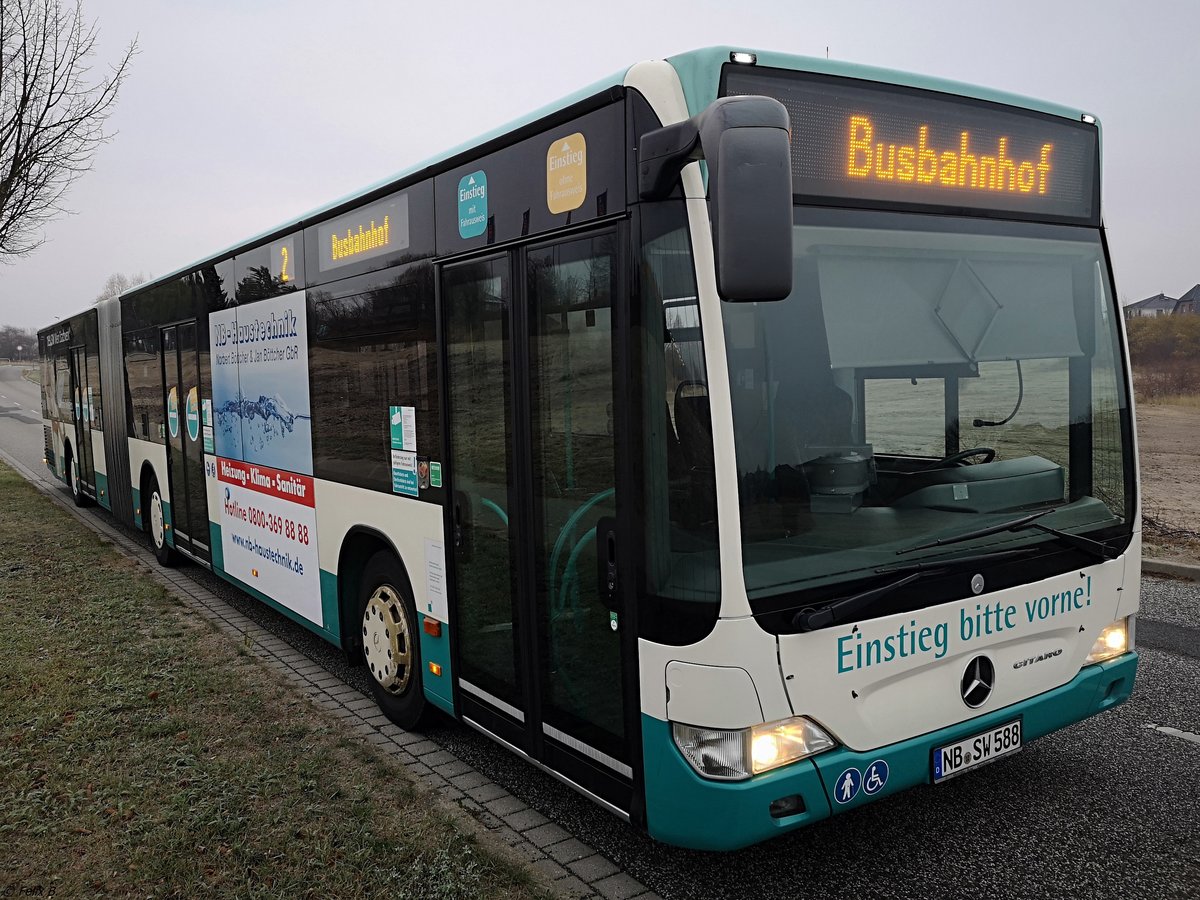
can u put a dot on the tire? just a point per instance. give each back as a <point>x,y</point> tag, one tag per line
<point>77,495</point>
<point>391,644</point>
<point>152,515</point>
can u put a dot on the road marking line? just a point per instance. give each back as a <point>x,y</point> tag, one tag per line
<point>1175,732</point>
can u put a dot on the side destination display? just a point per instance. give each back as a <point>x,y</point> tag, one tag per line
<point>859,140</point>
<point>368,232</point>
<point>263,460</point>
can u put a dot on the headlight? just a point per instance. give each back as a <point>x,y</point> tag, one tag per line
<point>732,755</point>
<point>1115,639</point>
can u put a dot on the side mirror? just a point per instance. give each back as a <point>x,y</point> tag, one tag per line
<point>745,142</point>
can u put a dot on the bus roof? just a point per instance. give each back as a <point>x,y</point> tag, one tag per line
<point>699,73</point>
<point>397,178</point>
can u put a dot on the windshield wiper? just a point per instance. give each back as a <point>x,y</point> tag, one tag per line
<point>1098,549</point>
<point>1014,525</point>
<point>811,618</point>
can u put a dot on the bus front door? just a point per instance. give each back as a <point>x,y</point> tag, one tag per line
<point>185,456</point>
<point>542,651</point>
<point>82,394</point>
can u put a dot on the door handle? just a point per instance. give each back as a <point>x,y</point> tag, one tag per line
<point>606,557</point>
<point>459,522</point>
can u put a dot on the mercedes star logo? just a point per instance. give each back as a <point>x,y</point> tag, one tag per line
<point>977,681</point>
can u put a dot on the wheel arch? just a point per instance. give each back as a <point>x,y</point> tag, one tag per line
<point>359,544</point>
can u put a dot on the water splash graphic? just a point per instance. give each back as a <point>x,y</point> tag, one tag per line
<point>261,421</point>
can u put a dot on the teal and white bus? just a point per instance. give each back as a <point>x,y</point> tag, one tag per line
<point>740,440</point>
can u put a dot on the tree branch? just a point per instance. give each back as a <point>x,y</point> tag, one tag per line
<point>51,115</point>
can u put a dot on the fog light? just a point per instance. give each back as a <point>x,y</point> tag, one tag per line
<point>1114,640</point>
<point>786,806</point>
<point>735,754</point>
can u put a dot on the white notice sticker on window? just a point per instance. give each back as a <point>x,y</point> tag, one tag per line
<point>435,579</point>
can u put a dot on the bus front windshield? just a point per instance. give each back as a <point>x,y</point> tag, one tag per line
<point>927,378</point>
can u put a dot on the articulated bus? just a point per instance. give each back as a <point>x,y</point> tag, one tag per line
<point>740,440</point>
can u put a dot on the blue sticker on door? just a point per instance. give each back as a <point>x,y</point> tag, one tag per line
<point>472,204</point>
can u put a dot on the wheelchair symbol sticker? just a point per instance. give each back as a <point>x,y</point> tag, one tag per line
<point>875,777</point>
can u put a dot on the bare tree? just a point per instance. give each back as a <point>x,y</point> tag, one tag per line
<point>51,116</point>
<point>118,283</point>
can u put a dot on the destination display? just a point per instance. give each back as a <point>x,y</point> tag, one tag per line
<point>869,142</point>
<point>370,231</point>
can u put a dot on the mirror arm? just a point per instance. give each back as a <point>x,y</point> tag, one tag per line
<point>662,154</point>
<point>745,143</point>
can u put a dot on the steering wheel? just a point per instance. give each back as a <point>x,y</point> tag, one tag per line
<point>987,453</point>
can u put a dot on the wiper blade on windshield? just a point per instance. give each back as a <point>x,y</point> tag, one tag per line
<point>1098,549</point>
<point>1014,525</point>
<point>811,618</point>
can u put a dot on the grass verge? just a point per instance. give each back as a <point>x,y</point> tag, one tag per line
<point>142,753</point>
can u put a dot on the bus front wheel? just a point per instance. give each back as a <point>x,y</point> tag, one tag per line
<point>391,646</point>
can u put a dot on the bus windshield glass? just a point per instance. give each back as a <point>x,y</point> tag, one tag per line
<point>928,377</point>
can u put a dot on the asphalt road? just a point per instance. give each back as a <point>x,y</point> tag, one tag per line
<point>1107,808</point>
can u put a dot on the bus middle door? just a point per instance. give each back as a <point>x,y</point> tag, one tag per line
<point>185,456</point>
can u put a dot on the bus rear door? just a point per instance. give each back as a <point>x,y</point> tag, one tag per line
<point>82,394</point>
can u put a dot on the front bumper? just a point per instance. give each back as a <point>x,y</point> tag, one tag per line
<point>684,809</point>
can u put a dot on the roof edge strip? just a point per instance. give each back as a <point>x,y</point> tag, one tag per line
<point>700,73</point>
<point>596,94</point>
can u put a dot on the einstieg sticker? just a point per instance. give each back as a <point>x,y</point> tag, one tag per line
<point>566,173</point>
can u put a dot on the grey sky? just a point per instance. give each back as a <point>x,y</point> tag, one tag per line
<point>239,114</point>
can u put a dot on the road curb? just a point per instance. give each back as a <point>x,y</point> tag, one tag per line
<point>518,833</point>
<point>1173,569</point>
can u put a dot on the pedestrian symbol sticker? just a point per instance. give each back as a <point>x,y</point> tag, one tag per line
<point>191,411</point>
<point>173,411</point>
<point>875,777</point>
<point>472,205</point>
<point>846,787</point>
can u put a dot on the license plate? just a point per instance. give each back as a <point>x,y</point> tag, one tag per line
<point>977,750</point>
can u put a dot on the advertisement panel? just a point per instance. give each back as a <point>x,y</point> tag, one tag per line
<point>269,533</point>
<point>262,436</point>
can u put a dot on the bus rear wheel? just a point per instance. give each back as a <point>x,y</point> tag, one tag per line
<point>155,521</point>
<point>391,647</point>
<point>72,473</point>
